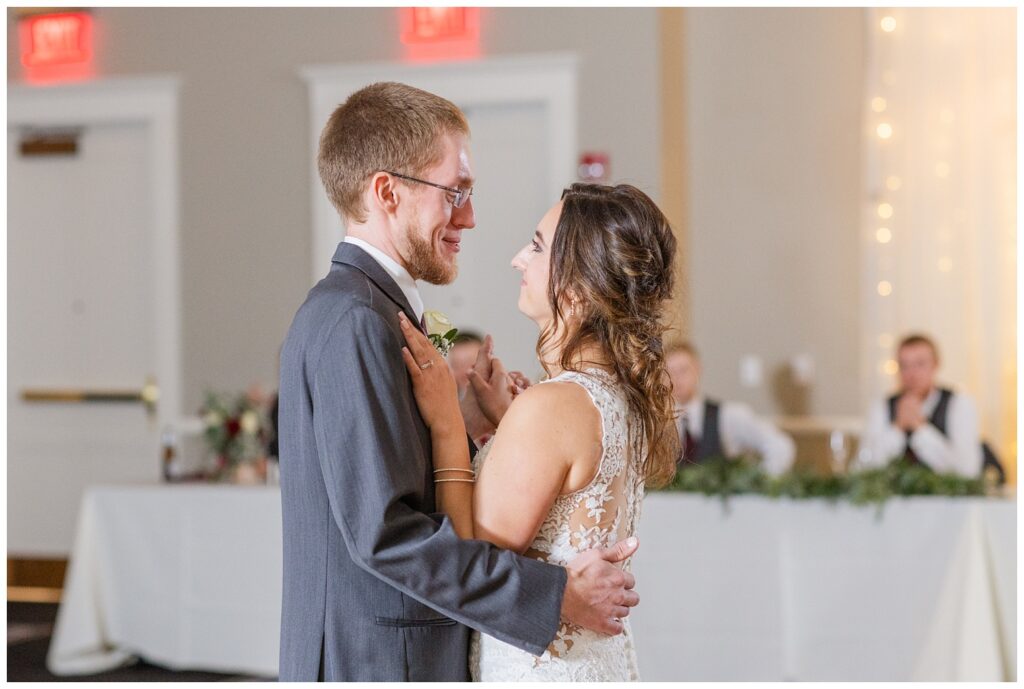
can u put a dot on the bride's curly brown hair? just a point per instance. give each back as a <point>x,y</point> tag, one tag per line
<point>612,268</point>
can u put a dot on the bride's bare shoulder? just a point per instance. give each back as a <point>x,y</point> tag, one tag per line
<point>561,411</point>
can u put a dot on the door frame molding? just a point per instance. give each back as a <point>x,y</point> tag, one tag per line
<point>152,102</point>
<point>549,79</point>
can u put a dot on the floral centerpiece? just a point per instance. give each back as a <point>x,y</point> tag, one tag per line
<point>237,430</point>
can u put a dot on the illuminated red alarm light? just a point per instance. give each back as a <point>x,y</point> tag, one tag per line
<point>49,40</point>
<point>594,167</point>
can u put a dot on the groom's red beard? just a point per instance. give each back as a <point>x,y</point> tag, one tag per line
<point>426,264</point>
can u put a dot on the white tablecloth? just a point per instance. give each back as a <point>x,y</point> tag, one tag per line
<point>190,577</point>
<point>187,576</point>
<point>806,590</point>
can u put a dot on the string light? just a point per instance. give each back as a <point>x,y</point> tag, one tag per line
<point>930,134</point>
<point>883,235</point>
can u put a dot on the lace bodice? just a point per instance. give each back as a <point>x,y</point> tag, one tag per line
<point>598,515</point>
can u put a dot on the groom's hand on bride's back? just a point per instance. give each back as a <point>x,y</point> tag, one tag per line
<point>598,594</point>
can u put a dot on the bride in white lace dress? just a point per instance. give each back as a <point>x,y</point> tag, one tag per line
<point>566,469</point>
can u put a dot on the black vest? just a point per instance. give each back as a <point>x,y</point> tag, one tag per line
<point>938,419</point>
<point>710,444</point>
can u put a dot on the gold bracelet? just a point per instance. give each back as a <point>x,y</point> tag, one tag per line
<point>456,480</point>
<point>466,471</point>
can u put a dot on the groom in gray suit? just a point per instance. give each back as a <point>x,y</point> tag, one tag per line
<point>377,585</point>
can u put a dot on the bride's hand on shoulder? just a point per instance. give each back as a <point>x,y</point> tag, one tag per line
<point>433,384</point>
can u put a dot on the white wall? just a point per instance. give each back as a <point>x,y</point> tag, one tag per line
<point>245,219</point>
<point>773,106</point>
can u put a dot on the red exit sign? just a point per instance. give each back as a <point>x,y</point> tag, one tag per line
<point>434,24</point>
<point>56,39</point>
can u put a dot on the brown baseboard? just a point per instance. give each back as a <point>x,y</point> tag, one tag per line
<point>32,580</point>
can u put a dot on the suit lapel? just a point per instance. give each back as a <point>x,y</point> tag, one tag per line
<point>354,256</point>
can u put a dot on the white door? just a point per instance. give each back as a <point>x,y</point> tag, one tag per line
<point>512,193</point>
<point>84,315</point>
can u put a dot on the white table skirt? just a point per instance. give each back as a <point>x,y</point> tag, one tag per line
<point>189,577</point>
<point>806,590</point>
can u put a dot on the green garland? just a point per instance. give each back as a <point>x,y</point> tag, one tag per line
<point>725,477</point>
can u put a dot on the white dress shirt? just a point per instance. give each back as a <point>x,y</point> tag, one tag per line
<point>399,274</point>
<point>741,430</point>
<point>959,453</point>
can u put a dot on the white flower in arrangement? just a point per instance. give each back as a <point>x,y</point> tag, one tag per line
<point>212,419</point>
<point>249,423</point>
<point>440,331</point>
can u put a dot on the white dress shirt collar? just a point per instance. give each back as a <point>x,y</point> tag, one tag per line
<point>930,402</point>
<point>694,416</point>
<point>399,274</point>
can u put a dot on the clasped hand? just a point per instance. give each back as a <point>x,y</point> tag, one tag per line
<point>909,412</point>
<point>488,396</point>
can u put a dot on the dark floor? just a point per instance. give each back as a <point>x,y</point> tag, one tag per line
<point>29,626</point>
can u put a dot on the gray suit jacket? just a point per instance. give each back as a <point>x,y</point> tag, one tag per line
<point>377,586</point>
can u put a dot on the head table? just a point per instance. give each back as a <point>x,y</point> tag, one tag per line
<point>189,577</point>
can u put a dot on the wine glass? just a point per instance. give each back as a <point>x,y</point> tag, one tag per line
<point>839,445</point>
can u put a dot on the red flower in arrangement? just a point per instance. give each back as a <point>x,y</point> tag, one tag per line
<point>235,428</point>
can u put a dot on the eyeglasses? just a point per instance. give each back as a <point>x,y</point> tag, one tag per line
<point>461,195</point>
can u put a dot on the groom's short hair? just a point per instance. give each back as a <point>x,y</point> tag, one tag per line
<point>383,126</point>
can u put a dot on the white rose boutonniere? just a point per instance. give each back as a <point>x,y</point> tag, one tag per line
<point>440,331</point>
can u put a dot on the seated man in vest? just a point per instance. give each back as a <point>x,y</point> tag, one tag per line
<point>928,424</point>
<point>719,429</point>
<point>462,356</point>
